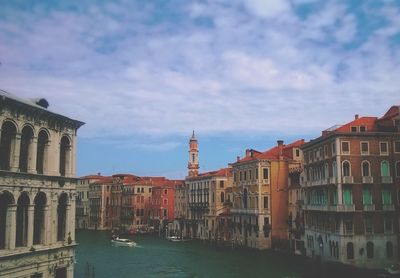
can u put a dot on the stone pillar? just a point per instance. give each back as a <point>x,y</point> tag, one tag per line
<point>70,271</point>
<point>47,227</point>
<point>72,219</point>
<point>15,150</point>
<point>339,173</point>
<point>52,236</point>
<point>31,210</point>
<point>67,222</point>
<point>32,154</point>
<point>11,226</point>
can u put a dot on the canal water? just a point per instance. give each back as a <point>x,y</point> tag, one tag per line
<point>155,257</point>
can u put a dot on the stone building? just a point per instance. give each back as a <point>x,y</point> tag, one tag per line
<point>260,189</point>
<point>37,189</point>
<point>82,200</point>
<point>352,182</point>
<point>99,201</point>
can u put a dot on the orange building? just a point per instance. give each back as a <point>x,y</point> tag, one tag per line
<point>260,191</point>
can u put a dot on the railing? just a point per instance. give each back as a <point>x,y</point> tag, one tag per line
<point>248,211</point>
<point>370,207</point>
<point>332,180</point>
<point>388,207</point>
<point>348,179</point>
<point>387,179</point>
<point>336,208</point>
<point>367,179</point>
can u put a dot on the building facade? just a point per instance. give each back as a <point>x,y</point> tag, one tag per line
<point>37,189</point>
<point>352,181</point>
<point>260,189</point>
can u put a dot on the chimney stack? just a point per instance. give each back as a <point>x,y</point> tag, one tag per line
<point>356,116</point>
<point>280,147</point>
<point>237,158</point>
<point>247,152</point>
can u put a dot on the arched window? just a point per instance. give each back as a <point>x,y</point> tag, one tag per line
<point>245,199</point>
<point>346,169</point>
<point>65,149</point>
<point>222,197</point>
<point>8,133</point>
<point>398,169</point>
<point>334,169</point>
<point>350,251</point>
<point>365,169</point>
<point>62,216</point>
<point>41,156</point>
<point>385,169</point>
<point>21,237</point>
<point>389,250</point>
<point>38,219</point>
<point>370,250</point>
<point>26,142</point>
<point>6,199</point>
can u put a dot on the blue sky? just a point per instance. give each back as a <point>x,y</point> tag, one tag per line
<point>242,74</point>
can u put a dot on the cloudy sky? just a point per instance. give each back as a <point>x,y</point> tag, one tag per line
<point>241,73</point>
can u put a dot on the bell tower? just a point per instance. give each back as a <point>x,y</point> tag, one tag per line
<point>193,165</point>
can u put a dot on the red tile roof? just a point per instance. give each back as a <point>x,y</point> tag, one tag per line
<point>368,122</point>
<point>223,172</point>
<point>273,153</point>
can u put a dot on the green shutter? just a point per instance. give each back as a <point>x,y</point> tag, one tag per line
<point>385,169</point>
<point>367,198</point>
<point>386,197</point>
<point>347,200</point>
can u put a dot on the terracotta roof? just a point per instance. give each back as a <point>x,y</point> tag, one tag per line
<point>91,177</point>
<point>368,122</point>
<point>392,112</point>
<point>223,172</point>
<point>274,152</point>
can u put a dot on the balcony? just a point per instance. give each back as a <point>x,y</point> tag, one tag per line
<point>247,211</point>
<point>332,180</point>
<point>370,207</point>
<point>367,180</point>
<point>317,207</point>
<point>348,179</point>
<point>344,208</point>
<point>388,207</point>
<point>387,179</point>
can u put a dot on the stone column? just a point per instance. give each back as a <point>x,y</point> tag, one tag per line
<point>47,227</point>
<point>46,170</point>
<point>339,173</point>
<point>67,222</point>
<point>11,226</point>
<point>52,236</point>
<point>31,210</point>
<point>15,150</point>
<point>32,154</point>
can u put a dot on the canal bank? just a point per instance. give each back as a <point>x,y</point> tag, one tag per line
<point>155,257</point>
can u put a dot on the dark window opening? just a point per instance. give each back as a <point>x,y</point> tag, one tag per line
<point>43,140</point>
<point>62,217</point>
<point>8,132</point>
<point>26,140</point>
<point>6,199</point>
<point>65,148</point>
<point>22,220</point>
<point>38,221</point>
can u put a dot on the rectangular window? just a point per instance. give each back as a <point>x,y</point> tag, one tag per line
<point>363,128</point>
<point>250,174</point>
<point>388,225</point>
<point>221,184</point>
<point>265,173</point>
<point>367,196</point>
<point>310,156</point>
<point>325,151</point>
<point>386,197</point>
<point>333,148</point>
<point>353,129</point>
<point>347,196</point>
<point>256,173</point>
<point>240,175</point>
<point>383,146</point>
<point>364,148</point>
<point>397,147</point>
<point>266,202</point>
<point>245,175</point>
<point>297,152</point>
<point>234,177</point>
<point>348,226</point>
<point>369,224</point>
<point>345,147</point>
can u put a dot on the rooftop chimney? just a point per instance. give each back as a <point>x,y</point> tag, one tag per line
<point>247,152</point>
<point>356,116</point>
<point>237,158</point>
<point>280,146</point>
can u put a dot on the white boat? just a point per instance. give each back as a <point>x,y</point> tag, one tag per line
<point>393,269</point>
<point>123,242</point>
<point>177,239</point>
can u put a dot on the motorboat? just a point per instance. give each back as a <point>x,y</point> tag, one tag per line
<point>123,242</point>
<point>177,239</point>
<point>393,269</point>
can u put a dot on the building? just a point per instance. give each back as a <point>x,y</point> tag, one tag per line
<point>352,178</point>
<point>180,210</point>
<point>82,200</point>
<point>37,189</point>
<point>99,201</point>
<point>260,191</point>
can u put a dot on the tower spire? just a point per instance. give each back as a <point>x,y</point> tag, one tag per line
<point>193,164</point>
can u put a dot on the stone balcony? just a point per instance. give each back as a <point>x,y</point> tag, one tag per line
<point>334,208</point>
<point>388,207</point>
<point>249,211</point>
<point>348,179</point>
<point>367,180</point>
<point>369,207</point>
<point>387,179</point>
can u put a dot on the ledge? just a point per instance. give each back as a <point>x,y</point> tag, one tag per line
<point>23,251</point>
<point>5,173</point>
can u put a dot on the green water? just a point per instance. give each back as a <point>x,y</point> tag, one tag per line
<point>156,257</point>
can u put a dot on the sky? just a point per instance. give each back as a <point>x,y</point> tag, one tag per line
<point>241,73</point>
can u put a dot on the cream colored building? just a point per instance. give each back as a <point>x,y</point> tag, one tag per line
<point>82,200</point>
<point>37,189</point>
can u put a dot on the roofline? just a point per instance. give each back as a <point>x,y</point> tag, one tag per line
<point>5,95</point>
